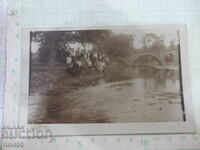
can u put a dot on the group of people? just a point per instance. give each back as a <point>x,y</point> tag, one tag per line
<point>80,60</point>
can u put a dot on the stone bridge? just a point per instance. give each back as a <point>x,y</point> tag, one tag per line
<point>159,56</point>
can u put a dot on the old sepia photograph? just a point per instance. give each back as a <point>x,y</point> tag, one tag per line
<point>108,80</point>
<point>105,76</point>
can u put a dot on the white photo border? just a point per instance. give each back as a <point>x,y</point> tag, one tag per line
<point>187,126</point>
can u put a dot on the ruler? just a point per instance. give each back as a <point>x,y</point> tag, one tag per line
<point>123,142</point>
<point>3,9</point>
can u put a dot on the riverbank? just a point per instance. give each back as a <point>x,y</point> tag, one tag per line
<point>49,79</point>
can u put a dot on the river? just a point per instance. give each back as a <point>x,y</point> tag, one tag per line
<point>144,98</point>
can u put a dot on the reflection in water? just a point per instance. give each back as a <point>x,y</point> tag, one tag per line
<point>151,84</point>
<point>157,79</point>
<point>150,79</point>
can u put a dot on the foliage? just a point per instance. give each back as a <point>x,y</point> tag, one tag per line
<point>152,41</point>
<point>117,47</point>
<point>53,43</point>
<point>49,44</point>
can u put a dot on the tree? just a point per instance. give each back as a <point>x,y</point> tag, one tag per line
<point>153,42</point>
<point>49,45</point>
<point>117,47</point>
<point>172,45</point>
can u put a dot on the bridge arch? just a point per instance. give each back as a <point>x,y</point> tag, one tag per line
<point>146,58</point>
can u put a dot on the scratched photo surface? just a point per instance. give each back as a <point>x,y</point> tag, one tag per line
<point>114,75</point>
